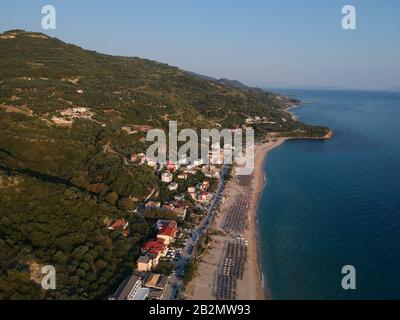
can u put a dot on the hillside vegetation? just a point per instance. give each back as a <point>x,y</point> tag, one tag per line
<point>64,173</point>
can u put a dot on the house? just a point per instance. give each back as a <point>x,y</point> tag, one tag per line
<point>156,281</point>
<point>155,258</point>
<point>144,263</point>
<point>205,197</point>
<point>205,185</point>
<point>148,262</point>
<point>156,247</point>
<point>167,207</point>
<point>180,212</point>
<point>134,157</point>
<point>166,177</point>
<point>183,176</point>
<point>150,162</point>
<point>173,186</point>
<point>119,224</point>
<point>160,224</point>
<point>180,204</point>
<point>179,197</point>
<point>131,289</point>
<point>168,232</point>
<point>171,166</point>
<point>152,205</point>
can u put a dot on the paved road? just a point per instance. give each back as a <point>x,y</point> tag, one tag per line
<point>189,250</point>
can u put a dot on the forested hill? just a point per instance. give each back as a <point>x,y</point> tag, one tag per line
<point>69,118</point>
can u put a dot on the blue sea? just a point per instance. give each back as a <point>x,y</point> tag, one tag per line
<point>333,203</point>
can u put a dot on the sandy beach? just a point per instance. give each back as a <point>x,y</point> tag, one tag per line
<point>250,287</point>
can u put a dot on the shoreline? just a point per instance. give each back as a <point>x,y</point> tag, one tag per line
<point>253,285</point>
<point>258,184</point>
<point>253,233</point>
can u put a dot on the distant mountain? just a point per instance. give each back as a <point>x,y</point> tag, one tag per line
<point>201,76</point>
<point>226,82</point>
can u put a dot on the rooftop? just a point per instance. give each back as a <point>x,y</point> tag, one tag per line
<point>168,229</point>
<point>154,246</point>
<point>144,259</point>
<point>126,287</point>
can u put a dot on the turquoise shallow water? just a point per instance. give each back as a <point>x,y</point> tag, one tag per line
<point>333,203</point>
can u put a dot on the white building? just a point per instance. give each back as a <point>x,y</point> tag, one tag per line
<point>151,162</point>
<point>166,177</point>
<point>182,176</point>
<point>131,289</point>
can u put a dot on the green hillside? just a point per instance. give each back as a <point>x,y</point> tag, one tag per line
<point>61,176</point>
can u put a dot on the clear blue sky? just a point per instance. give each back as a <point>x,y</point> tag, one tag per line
<point>268,43</point>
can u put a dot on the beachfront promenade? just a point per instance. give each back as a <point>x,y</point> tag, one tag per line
<point>188,252</point>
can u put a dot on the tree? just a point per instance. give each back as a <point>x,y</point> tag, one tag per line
<point>112,198</point>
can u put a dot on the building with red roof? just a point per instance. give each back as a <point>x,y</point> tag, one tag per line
<point>168,232</point>
<point>119,224</point>
<point>171,166</point>
<point>155,247</point>
<point>205,197</point>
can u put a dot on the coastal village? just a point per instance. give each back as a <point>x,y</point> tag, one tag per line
<point>186,192</point>
<point>191,218</point>
<point>218,251</point>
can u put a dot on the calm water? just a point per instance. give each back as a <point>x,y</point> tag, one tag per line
<point>335,203</point>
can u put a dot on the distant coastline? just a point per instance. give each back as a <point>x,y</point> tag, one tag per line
<point>253,285</point>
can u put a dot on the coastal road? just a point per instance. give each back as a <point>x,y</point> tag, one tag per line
<point>192,243</point>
